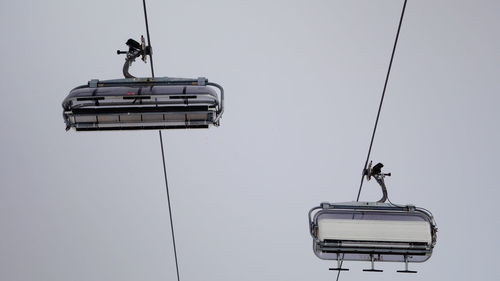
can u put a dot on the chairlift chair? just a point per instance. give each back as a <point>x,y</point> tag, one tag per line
<point>372,231</point>
<point>143,103</point>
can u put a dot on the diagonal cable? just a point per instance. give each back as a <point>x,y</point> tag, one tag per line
<point>149,38</point>
<point>379,109</point>
<point>161,145</point>
<point>169,206</point>
<point>382,98</point>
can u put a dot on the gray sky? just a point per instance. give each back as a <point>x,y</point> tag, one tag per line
<point>303,80</point>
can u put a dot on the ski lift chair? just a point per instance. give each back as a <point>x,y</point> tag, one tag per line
<point>372,231</point>
<point>143,103</point>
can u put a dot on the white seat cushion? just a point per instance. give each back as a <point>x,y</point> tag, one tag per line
<point>374,230</point>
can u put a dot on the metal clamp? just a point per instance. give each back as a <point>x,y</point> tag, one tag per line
<point>376,173</point>
<point>135,50</point>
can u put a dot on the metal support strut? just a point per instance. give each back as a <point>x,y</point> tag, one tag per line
<point>406,267</point>
<point>372,269</point>
<point>339,264</point>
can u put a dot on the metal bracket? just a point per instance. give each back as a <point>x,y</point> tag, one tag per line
<point>135,50</point>
<point>93,83</point>
<point>406,267</point>
<point>376,173</point>
<point>202,81</point>
<point>372,269</point>
<point>339,264</point>
<point>325,205</point>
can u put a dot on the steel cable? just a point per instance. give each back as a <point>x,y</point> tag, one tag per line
<point>379,110</point>
<point>161,145</point>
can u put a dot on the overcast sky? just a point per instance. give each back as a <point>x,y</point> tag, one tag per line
<point>303,80</point>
